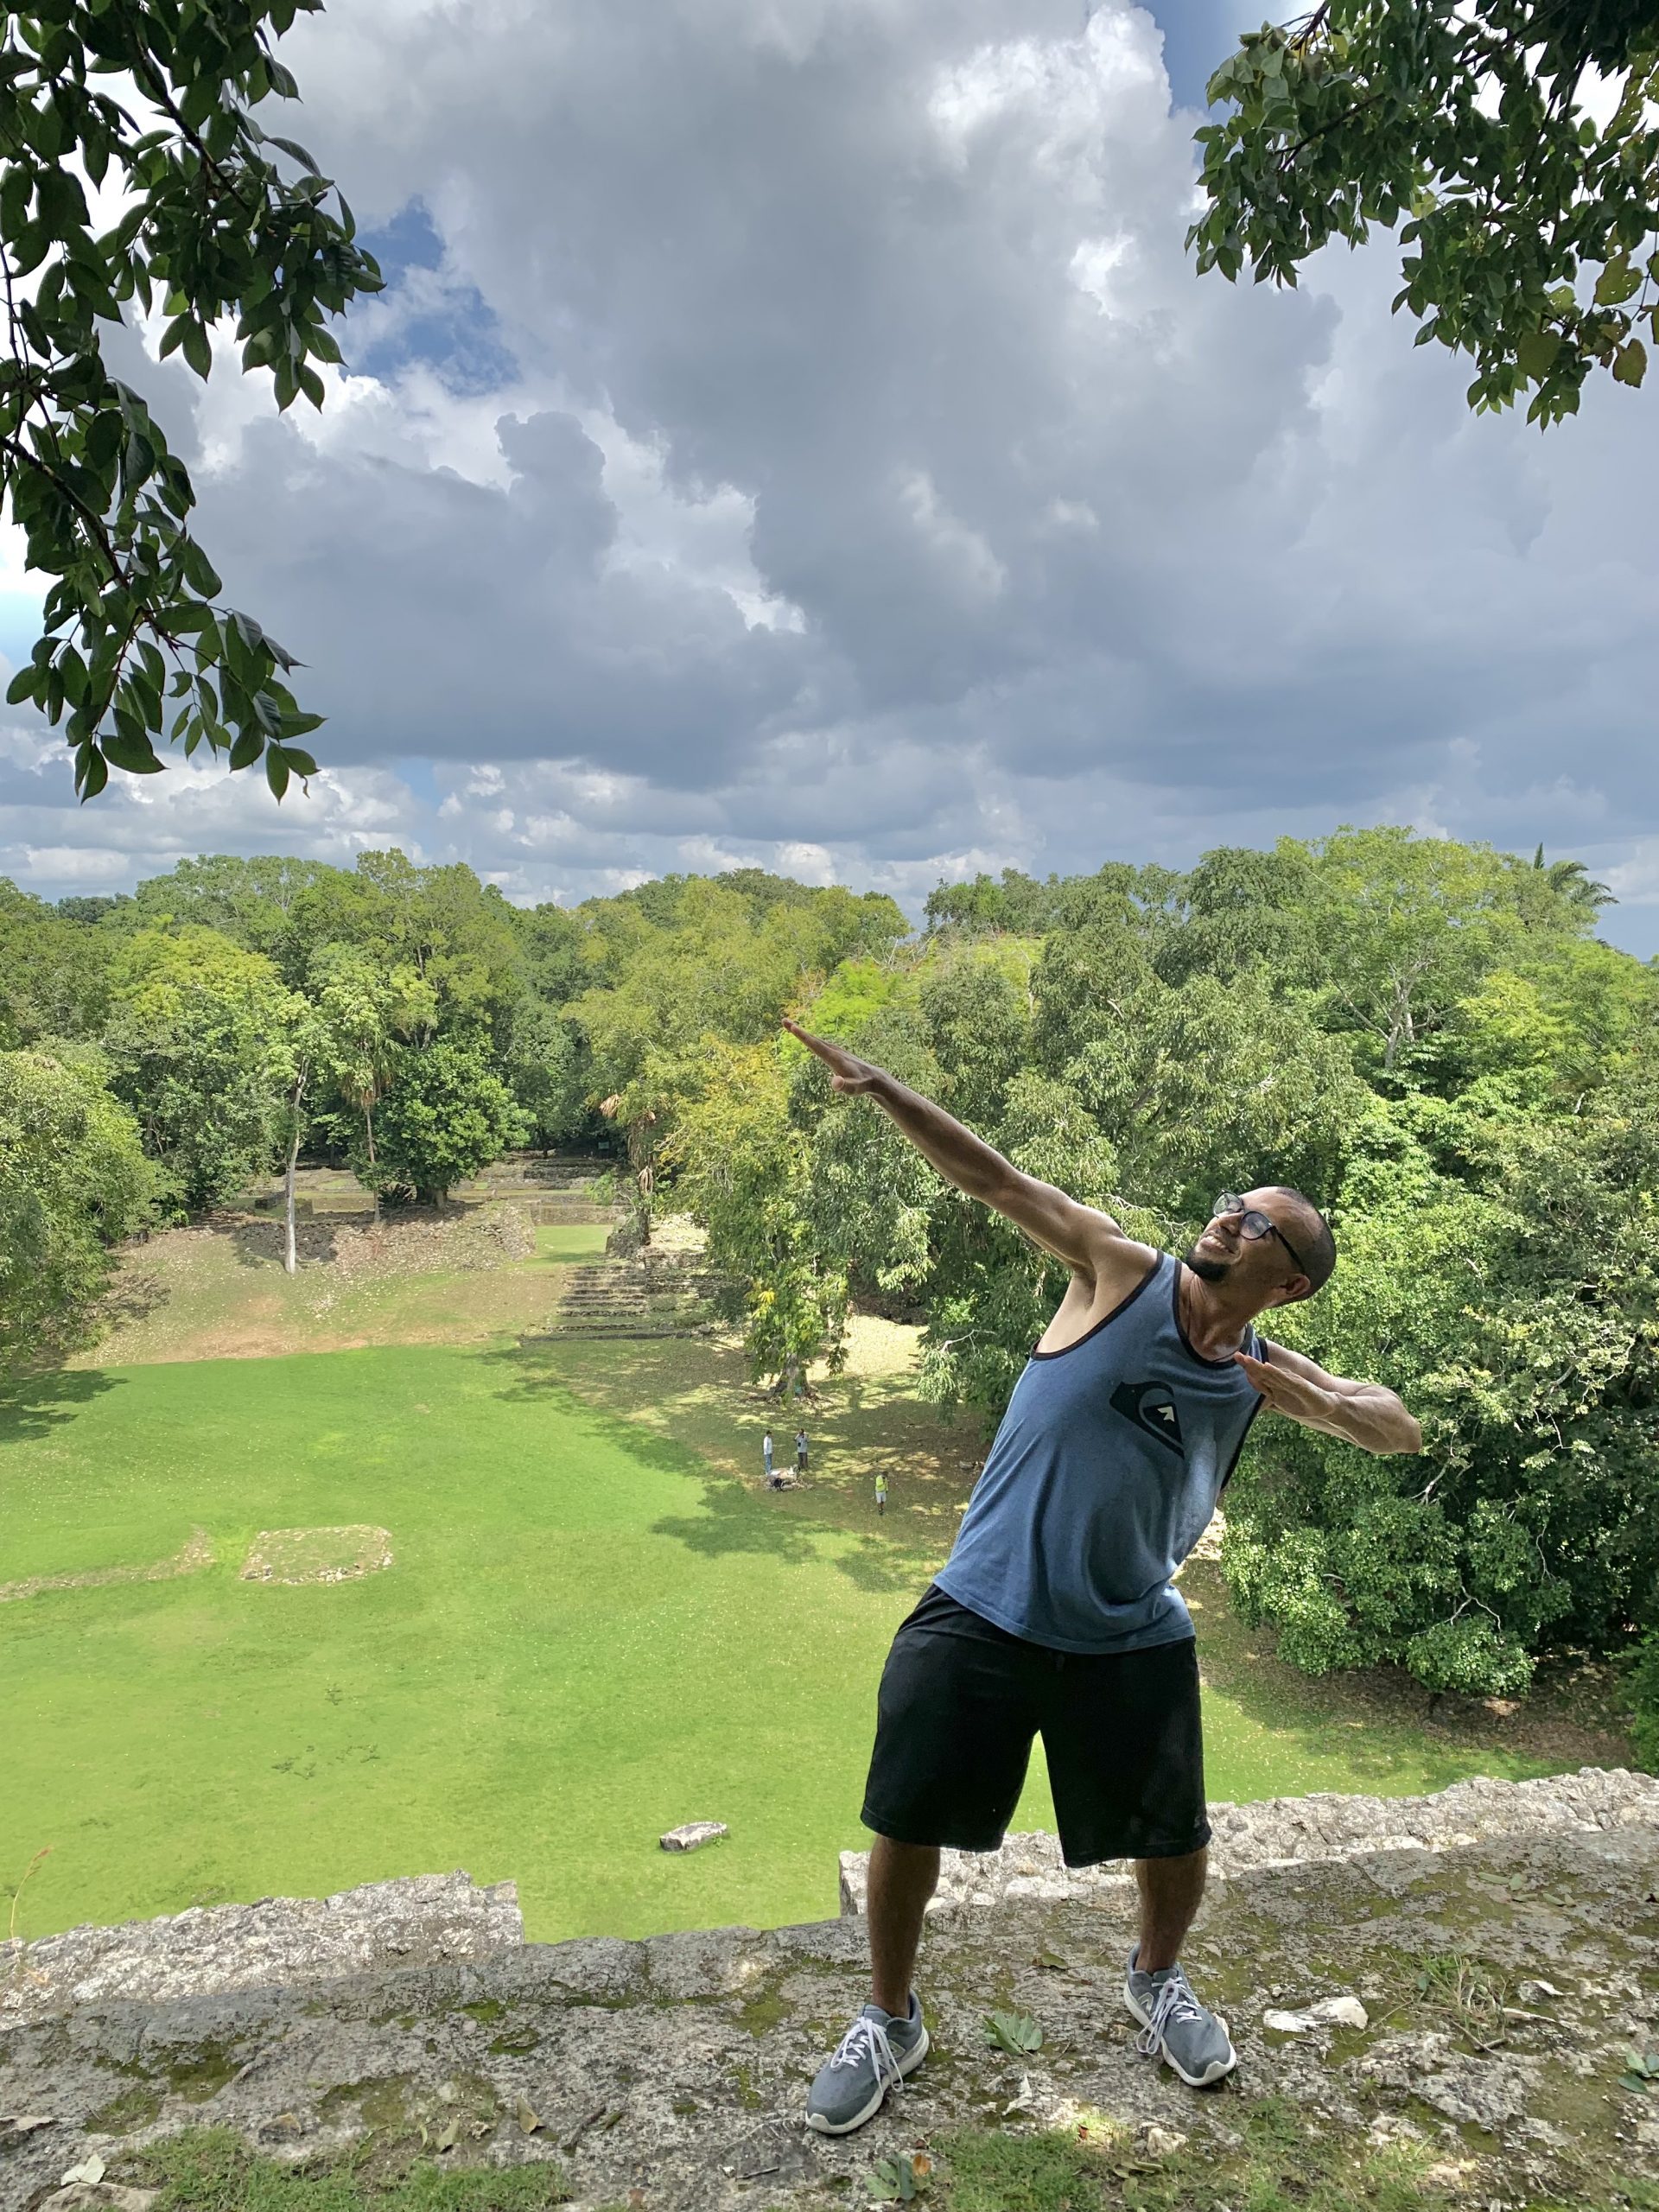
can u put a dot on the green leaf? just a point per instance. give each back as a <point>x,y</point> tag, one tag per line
<point>92,772</point>
<point>1631,362</point>
<point>21,686</point>
<point>1016,2032</point>
<point>246,749</point>
<point>277,770</point>
<point>129,748</point>
<point>1616,284</point>
<point>1535,354</point>
<point>200,572</point>
<point>197,349</point>
<point>295,153</point>
<point>899,2178</point>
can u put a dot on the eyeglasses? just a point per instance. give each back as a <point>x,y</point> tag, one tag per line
<point>1253,1223</point>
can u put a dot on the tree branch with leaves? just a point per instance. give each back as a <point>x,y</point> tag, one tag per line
<point>150,102</point>
<point>1530,227</point>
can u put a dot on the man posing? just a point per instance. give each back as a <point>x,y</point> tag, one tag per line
<point>1056,1613</point>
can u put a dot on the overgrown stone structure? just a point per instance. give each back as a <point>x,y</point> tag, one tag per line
<point>1501,1941</point>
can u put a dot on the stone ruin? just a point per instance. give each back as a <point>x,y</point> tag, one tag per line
<point>1498,1941</point>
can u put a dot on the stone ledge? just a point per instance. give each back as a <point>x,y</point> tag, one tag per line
<point>676,2067</point>
<point>1290,1831</point>
<point>419,1920</point>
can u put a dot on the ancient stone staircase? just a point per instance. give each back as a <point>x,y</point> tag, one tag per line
<point>557,1187</point>
<point>654,1294</point>
<point>554,1188</point>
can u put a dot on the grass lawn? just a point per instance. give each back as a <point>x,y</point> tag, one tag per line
<point>596,1625</point>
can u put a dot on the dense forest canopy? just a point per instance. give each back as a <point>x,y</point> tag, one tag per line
<point>1428,1036</point>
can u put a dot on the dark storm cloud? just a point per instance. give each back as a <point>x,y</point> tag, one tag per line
<point>871,477</point>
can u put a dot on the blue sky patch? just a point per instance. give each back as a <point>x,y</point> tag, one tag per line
<point>1198,35</point>
<point>425,315</point>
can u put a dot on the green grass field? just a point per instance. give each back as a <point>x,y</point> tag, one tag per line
<point>597,1624</point>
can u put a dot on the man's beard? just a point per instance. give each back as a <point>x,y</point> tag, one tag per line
<point>1205,1269</point>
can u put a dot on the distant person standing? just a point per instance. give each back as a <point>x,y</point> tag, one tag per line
<point>800,1452</point>
<point>765,1453</point>
<point>881,1490</point>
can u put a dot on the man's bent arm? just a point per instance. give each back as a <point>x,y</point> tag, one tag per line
<point>1368,1414</point>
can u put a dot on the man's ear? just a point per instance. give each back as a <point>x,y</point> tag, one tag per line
<point>1292,1292</point>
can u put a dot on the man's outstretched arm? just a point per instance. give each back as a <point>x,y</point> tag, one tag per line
<point>1081,1236</point>
<point>1366,1413</point>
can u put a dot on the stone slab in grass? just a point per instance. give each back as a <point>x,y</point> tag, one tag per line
<point>691,1835</point>
<point>294,1556</point>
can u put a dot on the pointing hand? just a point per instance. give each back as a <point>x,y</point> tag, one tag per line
<point>847,1072</point>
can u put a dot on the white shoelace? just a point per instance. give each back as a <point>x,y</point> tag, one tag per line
<point>1175,2002</point>
<point>868,2039</point>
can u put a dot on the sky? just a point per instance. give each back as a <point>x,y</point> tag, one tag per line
<point>793,433</point>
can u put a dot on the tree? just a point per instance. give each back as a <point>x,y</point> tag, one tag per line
<point>199,1044</point>
<point>363,1010</point>
<point>73,1179</point>
<point>1531,220</point>
<point>52,972</point>
<point>251,899</point>
<point>745,1167</point>
<point>1405,927</point>
<point>1499,1271</point>
<point>1572,881</point>
<point>306,1044</point>
<point>153,102</point>
<point>447,1113</point>
<point>454,934</point>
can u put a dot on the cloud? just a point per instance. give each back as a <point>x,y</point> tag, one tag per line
<point>796,428</point>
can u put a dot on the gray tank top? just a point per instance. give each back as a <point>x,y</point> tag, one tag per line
<point>1104,1474</point>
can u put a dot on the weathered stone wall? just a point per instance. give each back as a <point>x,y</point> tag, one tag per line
<point>1291,1831</point>
<point>425,1919</point>
<point>1501,1981</point>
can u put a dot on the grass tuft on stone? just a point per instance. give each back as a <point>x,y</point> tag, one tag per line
<point>212,2170</point>
<point>1279,2164</point>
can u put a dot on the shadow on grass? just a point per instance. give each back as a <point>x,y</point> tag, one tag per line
<point>34,1404</point>
<point>1377,1724</point>
<point>260,1240</point>
<point>1378,1717</point>
<point>787,1525</point>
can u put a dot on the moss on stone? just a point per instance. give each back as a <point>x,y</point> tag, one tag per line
<point>201,2072</point>
<point>124,2114</point>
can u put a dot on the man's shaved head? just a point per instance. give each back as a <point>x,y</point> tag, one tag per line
<point>1311,1236</point>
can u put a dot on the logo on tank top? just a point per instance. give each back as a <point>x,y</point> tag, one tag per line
<point>1151,1407</point>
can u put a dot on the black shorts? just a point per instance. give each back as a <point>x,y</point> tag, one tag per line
<point>960,1701</point>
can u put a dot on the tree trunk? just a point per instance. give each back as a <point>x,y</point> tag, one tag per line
<point>368,1133</point>
<point>290,1252</point>
<point>290,1255</point>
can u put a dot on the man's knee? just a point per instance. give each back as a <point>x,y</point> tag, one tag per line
<point>1184,1871</point>
<point>905,1867</point>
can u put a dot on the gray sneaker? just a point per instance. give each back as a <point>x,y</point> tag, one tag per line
<point>874,2056</point>
<point>1176,2027</point>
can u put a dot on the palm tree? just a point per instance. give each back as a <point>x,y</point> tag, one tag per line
<point>1571,883</point>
